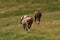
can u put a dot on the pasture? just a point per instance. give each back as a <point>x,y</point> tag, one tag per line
<point>11,10</point>
<point>48,29</point>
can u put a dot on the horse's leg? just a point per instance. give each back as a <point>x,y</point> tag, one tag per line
<point>39,19</point>
<point>35,19</point>
<point>26,28</point>
<point>29,27</point>
<point>31,21</point>
<point>24,25</point>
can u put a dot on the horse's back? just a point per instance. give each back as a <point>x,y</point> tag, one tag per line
<point>27,20</point>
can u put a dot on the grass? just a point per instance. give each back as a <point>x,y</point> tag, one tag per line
<point>16,13</point>
<point>11,10</point>
<point>42,5</point>
<point>48,29</point>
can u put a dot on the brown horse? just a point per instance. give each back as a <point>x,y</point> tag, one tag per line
<point>26,21</point>
<point>37,16</point>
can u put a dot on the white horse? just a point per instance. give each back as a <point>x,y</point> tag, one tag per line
<point>26,21</point>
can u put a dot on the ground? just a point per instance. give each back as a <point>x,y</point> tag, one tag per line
<point>11,10</point>
<point>48,29</point>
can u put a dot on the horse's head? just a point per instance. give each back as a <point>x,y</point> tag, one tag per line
<point>21,18</point>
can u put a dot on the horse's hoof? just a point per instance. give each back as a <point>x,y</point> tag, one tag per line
<point>37,22</point>
<point>29,30</point>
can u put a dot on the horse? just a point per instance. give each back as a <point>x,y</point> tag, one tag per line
<point>37,16</point>
<point>26,22</point>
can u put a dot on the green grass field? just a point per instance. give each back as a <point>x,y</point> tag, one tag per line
<point>11,10</point>
<point>48,29</point>
<point>42,5</point>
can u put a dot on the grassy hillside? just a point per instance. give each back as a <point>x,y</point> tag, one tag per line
<point>11,10</point>
<point>42,5</point>
<point>48,29</point>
